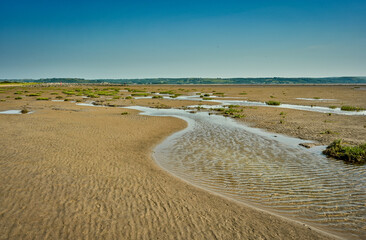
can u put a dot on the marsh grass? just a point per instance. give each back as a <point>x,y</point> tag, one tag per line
<point>351,154</point>
<point>34,94</point>
<point>43,98</point>
<point>139,94</point>
<point>328,132</point>
<point>351,108</point>
<point>168,92</point>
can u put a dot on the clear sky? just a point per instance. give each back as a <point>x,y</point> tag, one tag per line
<point>188,38</point>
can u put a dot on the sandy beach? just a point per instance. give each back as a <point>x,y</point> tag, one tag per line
<point>79,172</point>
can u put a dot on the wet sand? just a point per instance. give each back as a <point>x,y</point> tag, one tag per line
<point>75,172</point>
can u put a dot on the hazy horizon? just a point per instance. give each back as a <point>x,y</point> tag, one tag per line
<point>161,39</point>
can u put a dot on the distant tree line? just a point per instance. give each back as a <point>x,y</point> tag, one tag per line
<point>272,80</point>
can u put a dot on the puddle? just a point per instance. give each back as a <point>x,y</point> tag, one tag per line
<point>315,99</point>
<point>13,112</point>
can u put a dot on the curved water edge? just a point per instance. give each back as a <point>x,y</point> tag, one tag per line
<point>263,104</point>
<point>251,165</point>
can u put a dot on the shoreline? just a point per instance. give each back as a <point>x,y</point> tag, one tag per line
<point>148,190</point>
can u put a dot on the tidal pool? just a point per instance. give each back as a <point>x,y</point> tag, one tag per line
<point>266,170</point>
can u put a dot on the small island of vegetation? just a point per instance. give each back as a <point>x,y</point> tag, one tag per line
<point>351,154</point>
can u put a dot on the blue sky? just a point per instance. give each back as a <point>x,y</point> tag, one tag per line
<point>138,39</point>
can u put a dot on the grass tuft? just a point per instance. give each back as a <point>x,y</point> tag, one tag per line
<point>351,108</point>
<point>351,154</point>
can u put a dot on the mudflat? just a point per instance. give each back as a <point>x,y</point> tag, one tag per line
<point>79,172</point>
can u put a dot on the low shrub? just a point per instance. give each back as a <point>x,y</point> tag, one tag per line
<point>18,98</point>
<point>275,103</point>
<point>42,98</point>
<point>124,113</point>
<point>352,154</point>
<point>24,111</point>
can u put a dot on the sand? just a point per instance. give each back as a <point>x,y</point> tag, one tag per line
<point>74,172</point>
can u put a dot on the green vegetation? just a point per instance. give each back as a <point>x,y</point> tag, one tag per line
<point>59,97</point>
<point>243,93</point>
<point>54,93</point>
<point>92,95</point>
<point>18,92</point>
<point>69,92</point>
<point>18,98</point>
<point>34,94</point>
<point>207,98</point>
<point>316,97</point>
<point>128,97</point>
<point>124,113</point>
<point>140,94</point>
<point>168,92</point>
<point>282,113</point>
<point>24,111</point>
<point>43,98</point>
<point>105,93</point>
<point>352,154</point>
<point>238,116</point>
<point>332,107</point>
<point>328,132</point>
<point>275,103</point>
<point>351,108</point>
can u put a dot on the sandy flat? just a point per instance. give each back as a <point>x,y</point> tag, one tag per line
<point>73,172</point>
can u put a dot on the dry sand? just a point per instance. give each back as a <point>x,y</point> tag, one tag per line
<point>73,172</point>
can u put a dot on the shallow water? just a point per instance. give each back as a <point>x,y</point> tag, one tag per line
<point>13,112</point>
<point>222,101</point>
<point>274,173</point>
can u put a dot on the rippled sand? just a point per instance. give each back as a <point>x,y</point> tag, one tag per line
<point>86,173</point>
<point>223,156</point>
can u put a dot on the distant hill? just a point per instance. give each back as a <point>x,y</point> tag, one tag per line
<point>274,80</point>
